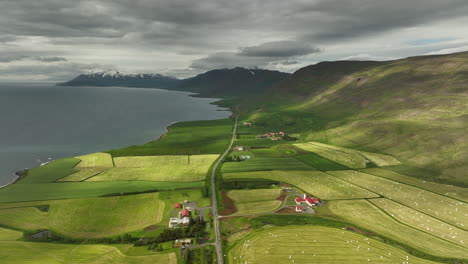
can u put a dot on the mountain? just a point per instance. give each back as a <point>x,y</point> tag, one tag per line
<point>232,82</point>
<point>415,109</point>
<point>215,83</point>
<point>126,80</point>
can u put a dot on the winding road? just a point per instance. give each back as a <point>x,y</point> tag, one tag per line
<point>218,247</point>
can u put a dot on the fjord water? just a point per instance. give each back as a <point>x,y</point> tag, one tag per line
<point>41,121</point>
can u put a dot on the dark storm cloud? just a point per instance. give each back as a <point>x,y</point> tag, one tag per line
<point>279,49</point>
<point>11,57</point>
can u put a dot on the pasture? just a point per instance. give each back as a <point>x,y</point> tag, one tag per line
<point>53,253</point>
<point>317,183</point>
<point>257,207</point>
<point>265,164</point>
<point>443,189</point>
<point>314,244</point>
<point>320,163</point>
<point>422,221</point>
<point>67,190</point>
<point>242,196</point>
<point>258,142</point>
<point>95,160</point>
<point>349,159</point>
<point>364,214</point>
<point>158,168</point>
<point>268,153</point>
<point>442,207</point>
<point>50,172</point>
<point>196,137</point>
<point>89,217</point>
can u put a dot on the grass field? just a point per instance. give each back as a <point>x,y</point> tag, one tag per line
<point>314,244</point>
<point>197,137</point>
<point>442,207</point>
<point>50,172</point>
<point>242,196</point>
<point>265,164</point>
<point>259,142</point>
<point>67,190</point>
<point>316,183</point>
<point>89,217</point>
<point>82,175</point>
<point>95,160</point>
<point>423,222</point>
<point>158,168</point>
<point>53,253</point>
<point>447,190</point>
<point>349,159</point>
<point>257,207</point>
<point>362,213</point>
<point>320,163</point>
<point>9,235</point>
<point>268,153</point>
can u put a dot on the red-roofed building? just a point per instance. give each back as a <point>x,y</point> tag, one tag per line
<point>299,200</point>
<point>185,213</point>
<point>177,205</point>
<point>298,208</point>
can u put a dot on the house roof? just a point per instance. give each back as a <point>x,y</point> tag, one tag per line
<point>177,205</point>
<point>298,207</point>
<point>299,199</point>
<point>185,212</point>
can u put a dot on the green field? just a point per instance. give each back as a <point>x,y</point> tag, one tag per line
<point>95,160</point>
<point>89,217</point>
<point>268,153</point>
<point>9,235</point>
<point>196,137</point>
<point>442,207</point>
<point>257,207</point>
<point>364,214</point>
<point>317,183</point>
<point>242,196</point>
<point>82,174</point>
<point>52,253</point>
<point>259,142</point>
<point>265,164</point>
<point>422,221</point>
<point>158,168</point>
<point>443,189</point>
<point>320,163</point>
<point>349,159</point>
<point>67,190</point>
<point>314,244</point>
<point>50,172</point>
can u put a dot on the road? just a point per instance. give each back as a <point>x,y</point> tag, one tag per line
<point>218,247</point>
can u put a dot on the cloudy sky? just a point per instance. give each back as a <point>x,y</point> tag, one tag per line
<point>58,39</point>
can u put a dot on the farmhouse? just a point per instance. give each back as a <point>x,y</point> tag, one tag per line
<point>247,124</point>
<point>178,222</point>
<point>308,200</point>
<point>182,243</point>
<point>185,213</point>
<point>177,205</point>
<point>239,148</point>
<point>298,209</point>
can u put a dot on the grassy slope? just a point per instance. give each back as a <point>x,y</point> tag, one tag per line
<point>51,172</point>
<point>262,164</point>
<point>414,109</point>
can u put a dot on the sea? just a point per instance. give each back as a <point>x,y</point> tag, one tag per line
<point>40,122</point>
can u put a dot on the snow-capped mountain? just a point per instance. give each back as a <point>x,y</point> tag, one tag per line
<point>150,80</point>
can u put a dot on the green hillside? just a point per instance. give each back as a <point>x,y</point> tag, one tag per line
<point>414,109</point>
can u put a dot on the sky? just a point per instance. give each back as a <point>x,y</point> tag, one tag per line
<point>54,40</point>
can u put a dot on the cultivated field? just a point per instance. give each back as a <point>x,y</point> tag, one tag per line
<point>268,153</point>
<point>316,183</point>
<point>265,164</point>
<point>363,214</point>
<point>320,163</point>
<point>442,207</point>
<point>314,244</point>
<point>99,160</point>
<point>9,235</point>
<point>67,190</point>
<point>242,196</point>
<point>50,172</point>
<point>257,207</point>
<point>422,221</point>
<point>447,190</point>
<point>82,174</point>
<point>158,168</point>
<point>53,253</point>
<point>89,217</point>
<point>349,159</point>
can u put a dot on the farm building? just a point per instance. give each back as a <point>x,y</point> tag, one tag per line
<point>239,148</point>
<point>308,200</point>
<point>247,124</point>
<point>185,213</point>
<point>298,209</point>
<point>177,205</point>
<point>178,222</point>
<point>182,243</point>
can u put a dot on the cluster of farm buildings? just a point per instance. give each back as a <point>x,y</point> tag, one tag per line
<point>309,201</point>
<point>183,219</point>
<point>273,135</point>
